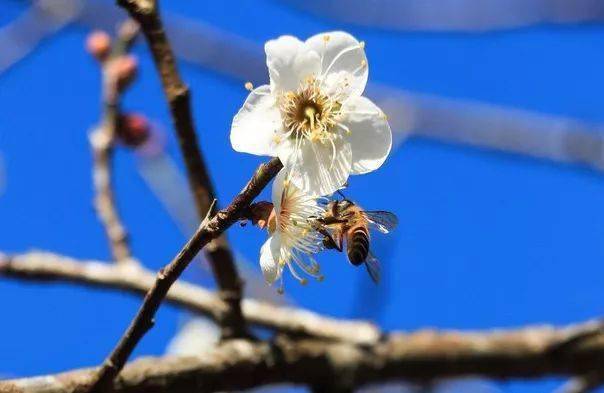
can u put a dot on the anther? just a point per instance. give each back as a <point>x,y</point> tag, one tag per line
<point>326,38</point>
<point>362,44</point>
<point>249,86</point>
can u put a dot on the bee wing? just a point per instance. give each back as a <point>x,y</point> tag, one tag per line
<point>381,220</point>
<point>373,268</point>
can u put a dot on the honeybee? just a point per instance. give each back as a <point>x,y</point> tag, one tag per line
<point>346,221</point>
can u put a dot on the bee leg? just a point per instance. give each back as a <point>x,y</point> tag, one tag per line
<point>328,240</point>
<point>338,241</point>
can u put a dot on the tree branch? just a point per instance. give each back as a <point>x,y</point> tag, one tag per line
<point>208,230</point>
<point>179,99</point>
<point>43,266</point>
<point>102,141</point>
<point>530,352</point>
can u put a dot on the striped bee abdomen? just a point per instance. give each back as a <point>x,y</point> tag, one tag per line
<point>357,244</point>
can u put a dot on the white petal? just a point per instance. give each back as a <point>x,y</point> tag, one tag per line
<point>315,170</point>
<point>343,61</point>
<point>278,186</point>
<point>289,62</point>
<point>269,258</point>
<point>256,124</point>
<point>370,136</point>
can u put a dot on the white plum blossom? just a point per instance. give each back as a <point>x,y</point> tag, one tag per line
<point>292,240</point>
<point>313,115</point>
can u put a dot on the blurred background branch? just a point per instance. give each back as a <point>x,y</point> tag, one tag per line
<point>117,71</point>
<point>455,15</point>
<point>49,267</point>
<point>531,352</point>
<point>538,135</point>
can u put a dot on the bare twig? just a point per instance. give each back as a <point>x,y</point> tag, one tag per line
<point>44,266</point>
<point>179,99</point>
<point>102,140</point>
<point>208,230</point>
<point>421,356</point>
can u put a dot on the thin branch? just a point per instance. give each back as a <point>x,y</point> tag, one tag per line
<point>208,230</point>
<point>179,99</point>
<point>420,356</point>
<point>48,267</point>
<point>102,141</point>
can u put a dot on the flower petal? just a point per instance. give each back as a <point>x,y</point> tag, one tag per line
<point>289,62</point>
<point>370,136</point>
<point>314,169</point>
<point>277,191</point>
<point>269,259</point>
<point>343,62</point>
<point>256,124</point>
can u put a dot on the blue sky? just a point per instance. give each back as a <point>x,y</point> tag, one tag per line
<point>485,239</point>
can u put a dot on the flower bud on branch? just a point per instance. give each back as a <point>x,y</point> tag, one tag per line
<point>98,44</point>
<point>133,129</point>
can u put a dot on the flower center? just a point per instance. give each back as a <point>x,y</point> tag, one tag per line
<point>309,113</point>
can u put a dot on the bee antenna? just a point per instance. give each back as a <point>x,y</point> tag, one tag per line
<point>341,194</point>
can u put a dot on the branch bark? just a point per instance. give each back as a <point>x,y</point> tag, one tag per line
<point>531,352</point>
<point>208,230</point>
<point>48,267</point>
<point>146,13</point>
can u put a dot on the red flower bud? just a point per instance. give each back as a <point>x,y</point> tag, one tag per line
<point>98,44</point>
<point>133,129</point>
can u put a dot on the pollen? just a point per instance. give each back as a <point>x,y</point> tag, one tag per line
<point>249,86</point>
<point>309,113</point>
<point>326,38</point>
